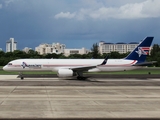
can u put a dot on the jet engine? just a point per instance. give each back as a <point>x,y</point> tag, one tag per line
<point>65,73</point>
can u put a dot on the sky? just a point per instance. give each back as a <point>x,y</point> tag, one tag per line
<point>78,23</point>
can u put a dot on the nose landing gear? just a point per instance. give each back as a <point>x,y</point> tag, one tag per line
<point>21,75</point>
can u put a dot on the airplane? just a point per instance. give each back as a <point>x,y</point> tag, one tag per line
<point>67,68</point>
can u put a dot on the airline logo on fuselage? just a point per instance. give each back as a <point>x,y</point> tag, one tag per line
<point>143,51</point>
<point>24,65</point>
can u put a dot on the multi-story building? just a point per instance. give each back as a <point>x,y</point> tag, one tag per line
<point>50,48</point>
<point>58,49</point>
<point>26,49</point>
<point>11,45</point>
<point>119,47</point>
<point>68,52</point>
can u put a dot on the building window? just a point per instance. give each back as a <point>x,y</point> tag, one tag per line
<point>74,52</point>
<point>44,50</point>
<point>51,49</point>
<point>107,47</point>
<point>119,46</point>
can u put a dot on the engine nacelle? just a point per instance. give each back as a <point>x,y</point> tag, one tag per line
<point>65,73</point>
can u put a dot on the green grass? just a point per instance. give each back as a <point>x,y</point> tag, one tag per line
<point>17,73</point>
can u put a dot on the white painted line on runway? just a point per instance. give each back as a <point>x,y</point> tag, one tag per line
<point>155,79</point>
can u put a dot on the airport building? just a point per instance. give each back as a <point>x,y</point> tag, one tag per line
<point>119,47</point>
<point>11,45</point>
<point>82,51</point>
<point>50,48</point>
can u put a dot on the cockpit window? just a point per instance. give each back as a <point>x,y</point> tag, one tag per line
<point>9,63</point>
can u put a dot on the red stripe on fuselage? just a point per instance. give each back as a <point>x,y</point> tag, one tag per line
<point>79,65</point>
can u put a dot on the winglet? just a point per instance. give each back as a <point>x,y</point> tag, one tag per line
<point>105,61</point>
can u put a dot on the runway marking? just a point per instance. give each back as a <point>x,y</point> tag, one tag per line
<point>81,101</point>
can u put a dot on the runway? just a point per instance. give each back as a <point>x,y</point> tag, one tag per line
<point>12,80</point>
<point>95,98</point>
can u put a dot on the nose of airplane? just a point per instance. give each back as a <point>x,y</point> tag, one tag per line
<point>5,67</point>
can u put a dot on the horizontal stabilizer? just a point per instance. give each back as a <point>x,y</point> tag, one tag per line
<point>145,63</point>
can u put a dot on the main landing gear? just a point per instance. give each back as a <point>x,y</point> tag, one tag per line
<point>80,76</point>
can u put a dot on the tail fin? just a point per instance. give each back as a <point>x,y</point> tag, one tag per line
<point>141,51</point>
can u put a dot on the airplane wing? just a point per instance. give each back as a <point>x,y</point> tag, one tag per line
<point>145,63</point>
<point>86,68</point>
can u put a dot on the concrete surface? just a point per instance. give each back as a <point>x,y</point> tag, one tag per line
<point>88,99</point>
<point>144,76</point>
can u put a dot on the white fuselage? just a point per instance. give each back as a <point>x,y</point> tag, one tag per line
<point>56,64</point>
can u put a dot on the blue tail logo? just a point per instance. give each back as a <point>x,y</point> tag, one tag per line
<point>141,51</point>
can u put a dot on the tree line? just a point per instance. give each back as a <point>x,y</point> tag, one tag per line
<point>18,54</point>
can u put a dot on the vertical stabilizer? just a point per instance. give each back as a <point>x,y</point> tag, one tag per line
<point>141,51</point>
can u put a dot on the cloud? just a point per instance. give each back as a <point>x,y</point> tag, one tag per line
<point>65,15</point>
<point>145,9</point>
<point>7,2</point>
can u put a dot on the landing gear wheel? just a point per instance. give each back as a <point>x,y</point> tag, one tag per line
<point>81,78</point>
<point>21,75</point>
